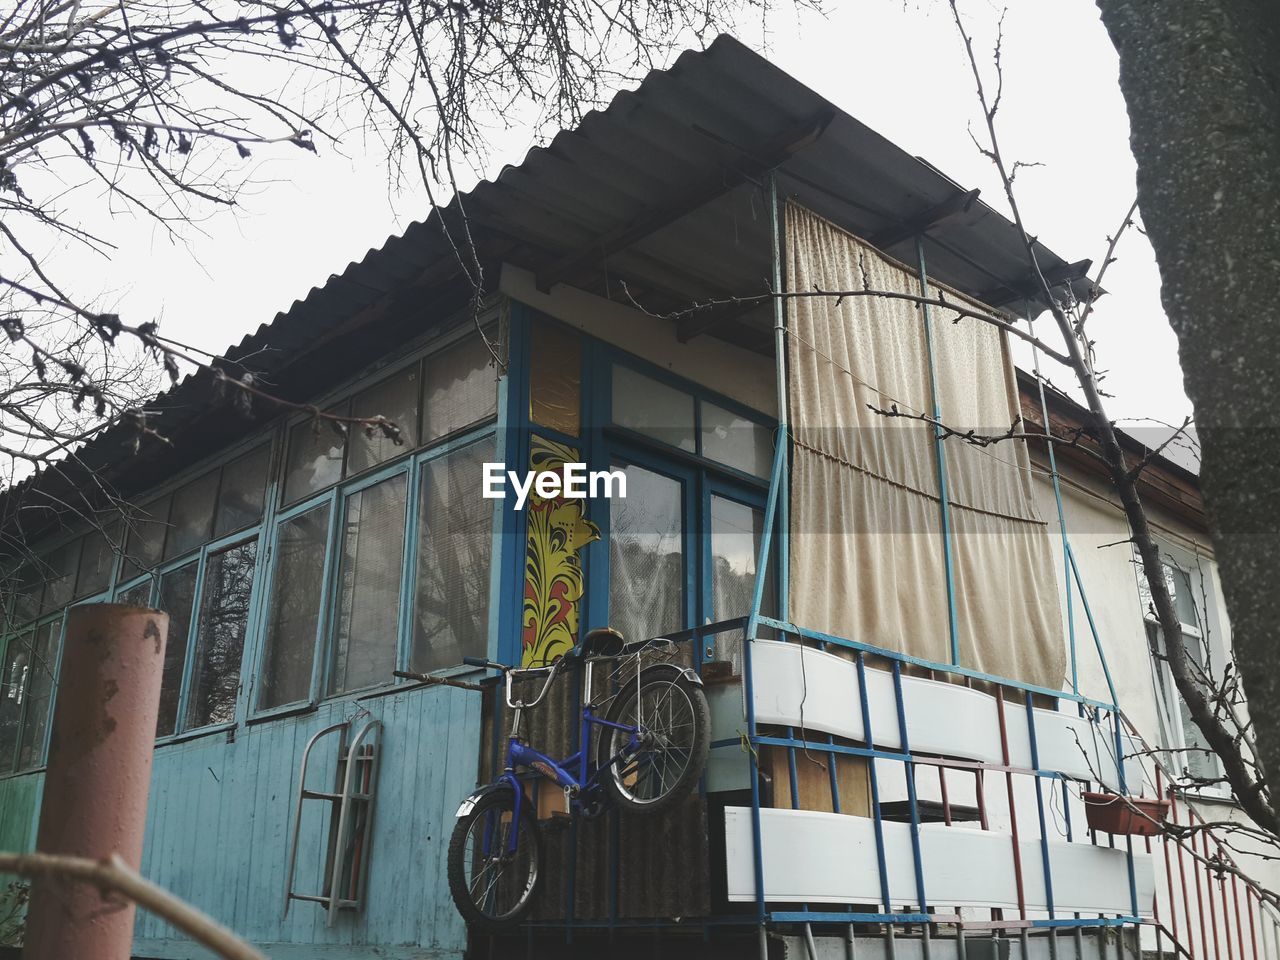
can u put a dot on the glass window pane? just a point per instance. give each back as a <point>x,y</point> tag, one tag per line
<point>39,695</point>
<point>1198,760</point>
<point>224,618</point>
<point>395,398</point>
<point>646,556</point>
<point>177,593</point>
<point>555,378</point>
<point>1183,596</point>
<point>451,612</point>
<point>736,530</point>
<point>243,490</point>
<point>369,586</point>
<point>96,559</point>
<point>28,585</point>
<point>736,441</point>
<point>59,572</point>
<point>315,456</point>
<point>294,616</point>
<point>191,516</point>
<point>13,689</point>
<point>145,542</point>
<point>460,388</point>
<point>652,408</point>
<point>139,595</point>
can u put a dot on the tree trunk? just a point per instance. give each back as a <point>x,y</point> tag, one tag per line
<point>1202,83</point>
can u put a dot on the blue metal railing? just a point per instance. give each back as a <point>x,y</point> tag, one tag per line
<point>1104,716</point>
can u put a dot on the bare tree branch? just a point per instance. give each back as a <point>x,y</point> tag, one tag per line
<point>114,876</point>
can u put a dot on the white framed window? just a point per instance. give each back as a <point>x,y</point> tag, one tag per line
<point>1190,584</point>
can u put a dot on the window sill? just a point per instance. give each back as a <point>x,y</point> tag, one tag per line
<point>1222,797</point>
<point>14,774</point>
<point>188,735</point>
<point>278,713</point>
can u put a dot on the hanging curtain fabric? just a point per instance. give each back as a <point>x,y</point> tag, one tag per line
<point>866,522</point>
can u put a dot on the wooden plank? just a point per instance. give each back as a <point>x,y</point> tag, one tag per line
<point>814,781</point>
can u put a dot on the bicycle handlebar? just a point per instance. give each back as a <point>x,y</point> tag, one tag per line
<point>510,673</point>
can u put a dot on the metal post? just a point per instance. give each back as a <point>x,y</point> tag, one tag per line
<point>777,483</point>
<point>938,441</point>
<point>1093,630</point>
<point>99,775</point>
<point>876,821</point>
<point>909,770</point>
<point>784,437</point>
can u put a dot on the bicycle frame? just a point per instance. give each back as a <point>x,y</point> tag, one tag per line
<point>576,773</point>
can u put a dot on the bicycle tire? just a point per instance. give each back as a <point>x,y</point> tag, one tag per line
<point>528,859</point>
<point>638,782</point>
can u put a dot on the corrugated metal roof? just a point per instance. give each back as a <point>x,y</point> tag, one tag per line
<point>659,190</point>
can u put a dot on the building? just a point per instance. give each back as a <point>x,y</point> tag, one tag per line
<point>898,755</point>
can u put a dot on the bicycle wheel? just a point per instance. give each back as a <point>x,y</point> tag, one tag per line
<point>674,721</point>
<point>492,885</point>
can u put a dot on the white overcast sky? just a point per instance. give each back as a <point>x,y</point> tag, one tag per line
<point>899,68</point>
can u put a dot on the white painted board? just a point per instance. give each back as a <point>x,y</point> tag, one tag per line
<point>813,857</point>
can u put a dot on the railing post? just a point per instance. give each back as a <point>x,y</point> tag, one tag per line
<point>777,485</point>
<point>877,824</point>
<point>98,776</point>
<point>1044,830</point>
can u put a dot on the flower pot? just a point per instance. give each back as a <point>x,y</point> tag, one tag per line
<point>1133,816</point>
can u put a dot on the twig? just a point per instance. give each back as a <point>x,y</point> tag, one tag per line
<point>116,876</point>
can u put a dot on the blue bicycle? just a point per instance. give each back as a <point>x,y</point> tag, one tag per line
<point>651,732</point>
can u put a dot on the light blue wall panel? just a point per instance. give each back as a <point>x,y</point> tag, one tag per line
<point>19,815</point>
<point>219,821</point>
<point>19,811</point>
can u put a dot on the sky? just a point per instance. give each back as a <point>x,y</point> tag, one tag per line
<point>897,66</point>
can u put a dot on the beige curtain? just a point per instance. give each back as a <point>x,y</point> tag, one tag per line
<point>866,530</point>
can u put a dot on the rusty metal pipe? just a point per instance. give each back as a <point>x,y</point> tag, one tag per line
<point>98,777</point>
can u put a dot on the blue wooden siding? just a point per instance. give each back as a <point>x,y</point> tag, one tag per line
<point>219,821</point>
<point>19,814</point>
<point>19,811</point>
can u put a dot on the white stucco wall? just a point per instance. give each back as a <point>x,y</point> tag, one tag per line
<point>1094,525</point>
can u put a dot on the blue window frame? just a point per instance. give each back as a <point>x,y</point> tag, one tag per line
<point>215,563</point>
<point>687,453</point>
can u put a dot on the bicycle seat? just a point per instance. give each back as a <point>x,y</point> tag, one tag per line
<point>600,642</point>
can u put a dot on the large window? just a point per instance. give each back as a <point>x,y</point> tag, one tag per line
<point>736,532</point>
<point>177,595</point>
<point>97,559</point>
<point>370,572</point>
<point>317,449</point>
<point>344,610</point>
<point>646,555</point>
<point>203,653</point>
<point>396,399</point>
<point>216,503</point>
<point>14,679</point>
<point>1189,749</point>
<point>26,695</point>
<point>224,620</point>
<point>455,535</point>
<point>683,545</point>
<point>294,618</point>
<point>447,392</point>
<point>447,527</point>
<point>38,695</point>
<point>672,416</point>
